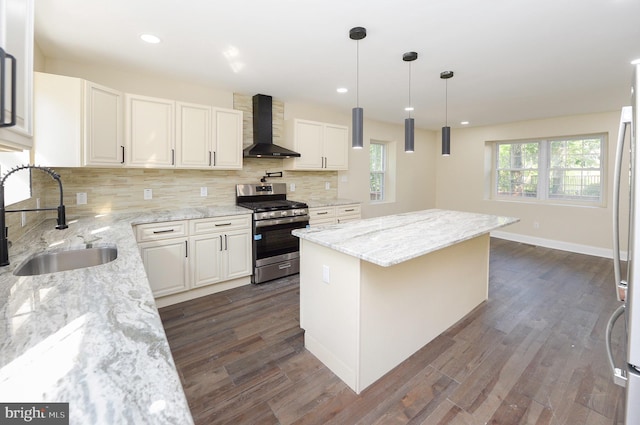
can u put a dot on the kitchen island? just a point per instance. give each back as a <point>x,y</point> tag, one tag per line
<point>374,291</point>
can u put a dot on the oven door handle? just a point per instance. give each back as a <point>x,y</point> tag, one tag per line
<point>286,220</point>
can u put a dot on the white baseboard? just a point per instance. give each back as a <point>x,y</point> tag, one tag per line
<point>554,244</point>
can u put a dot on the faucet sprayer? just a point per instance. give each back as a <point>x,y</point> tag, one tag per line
<point>62,221</point>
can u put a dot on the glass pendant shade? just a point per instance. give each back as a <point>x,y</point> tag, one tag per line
<point>446,141</point>
<point>409,138</point>
<point>357,126</point>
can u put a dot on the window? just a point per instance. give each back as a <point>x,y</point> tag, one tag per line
<point>18,185</point>
<point>377,169</point>
<point>567,169</point>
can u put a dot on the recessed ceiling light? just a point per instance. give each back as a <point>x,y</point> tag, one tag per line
<point>635,62</point>
<point>342,89</point>
<point>464,122</point>
<point>150,38</point>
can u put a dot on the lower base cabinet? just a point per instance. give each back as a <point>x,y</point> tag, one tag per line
<point>185,256</point>
<point>319,216</point>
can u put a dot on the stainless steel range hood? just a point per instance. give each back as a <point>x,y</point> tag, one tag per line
<point>263,146</point>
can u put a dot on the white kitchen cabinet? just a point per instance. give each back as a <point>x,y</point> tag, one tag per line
<point>322,146</point>
<point>77,123</point>
<point>227,142</point>
<point>149,132</point>
<point>207,137</point>
<point>221,249</point>
<point>346,213</point>
<point>16,39</point>
<point>332,215</point>
<point>164,251</point>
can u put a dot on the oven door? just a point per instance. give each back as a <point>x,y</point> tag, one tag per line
<point>273,238</point>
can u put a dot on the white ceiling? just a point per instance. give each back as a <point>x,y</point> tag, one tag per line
<point>513,59</point>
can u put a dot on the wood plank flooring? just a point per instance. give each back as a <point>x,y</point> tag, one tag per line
<point>532,354</point>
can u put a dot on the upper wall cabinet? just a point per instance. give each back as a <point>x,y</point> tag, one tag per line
<point>149,132</point>
<point>208,137</point>
<point>322,146</point>
<point>77,123</point>
<point>16,48</point>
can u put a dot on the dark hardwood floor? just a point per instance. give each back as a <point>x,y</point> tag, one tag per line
<point>533,353</point>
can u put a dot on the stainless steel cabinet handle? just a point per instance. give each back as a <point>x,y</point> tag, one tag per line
<point>186,249</point>
<point>122,147</point>
<point>349,210</point>
<point>209,158</point>
<point>284,266</point>
<point>322,213</point>
<point>173,157</point>
<point>226,244</point>
<point>220,242</point>
<point>214,158</point>
<point>222,224</point>
<point>163,231</point>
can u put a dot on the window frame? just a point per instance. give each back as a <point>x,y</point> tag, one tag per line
<point>544,169</point>
<point>382,174</point>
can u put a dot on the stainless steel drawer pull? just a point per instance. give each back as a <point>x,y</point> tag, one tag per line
<point>222,224</point>
<point>284,266</point>
<point>163,231</point>
<point>349,210</point>
<point>322,213</point>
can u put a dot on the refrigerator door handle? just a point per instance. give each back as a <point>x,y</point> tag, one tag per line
<point>619,375</point>
<point>621,285</point>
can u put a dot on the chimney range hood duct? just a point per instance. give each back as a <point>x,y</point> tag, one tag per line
<point>263,146</point>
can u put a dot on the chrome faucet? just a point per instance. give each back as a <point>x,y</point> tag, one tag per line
<point>62,221</point>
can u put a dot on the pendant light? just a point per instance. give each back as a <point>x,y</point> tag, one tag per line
<point>357,33</point>
<point>446,130</point>
<point>409,127</point>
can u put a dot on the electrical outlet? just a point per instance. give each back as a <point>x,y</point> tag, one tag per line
<point>81,198</point>
<point>37,203</point>
<point>203,191</point>
<point>327,185</point>
<point>326,277</point>
<point>148,194</point>
<point>536,225</point>
<point>292,187</point>
<point>23,218</point>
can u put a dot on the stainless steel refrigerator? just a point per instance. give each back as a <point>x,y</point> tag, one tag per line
<point>628,285</point>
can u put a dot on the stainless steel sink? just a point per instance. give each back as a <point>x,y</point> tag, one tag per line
<point>58,260</point>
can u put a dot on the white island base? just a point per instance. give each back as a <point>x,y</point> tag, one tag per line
<point>362,320</point>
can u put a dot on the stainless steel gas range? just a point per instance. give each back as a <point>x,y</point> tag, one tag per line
<point>275,250</point>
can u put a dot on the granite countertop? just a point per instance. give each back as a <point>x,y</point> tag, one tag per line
<point>91,337</point>
<point>393,239</point>
<point>319,203</point>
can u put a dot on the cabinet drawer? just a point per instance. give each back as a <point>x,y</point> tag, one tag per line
<point>350,210</point>
<point>219,224</point>
<point>322,213</point>
<point>163,230</point>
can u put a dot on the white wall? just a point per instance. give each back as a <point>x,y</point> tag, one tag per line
<point>461,184</point>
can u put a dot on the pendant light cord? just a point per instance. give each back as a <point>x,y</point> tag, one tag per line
<point>410,104</point>
<point>357,73</point>
<point>446,103</point>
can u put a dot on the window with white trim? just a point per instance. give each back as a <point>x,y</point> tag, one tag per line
<point>564,169</point>
<point>377,169</point>
<point>18,185</point>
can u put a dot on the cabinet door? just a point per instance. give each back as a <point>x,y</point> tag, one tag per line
<point>206,262</point>
<point>16,38</point>
<point>150,132</point>
<point>103,141</point>
<point>336,149</point>
<point>308,143</point>
<point>228,139</point>
<point>165,262</point>
<point>58,127</point>
<point>238,253</point>
<point>193,136</point>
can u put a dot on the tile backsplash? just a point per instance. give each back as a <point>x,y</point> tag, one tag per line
<point>122,189</point>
